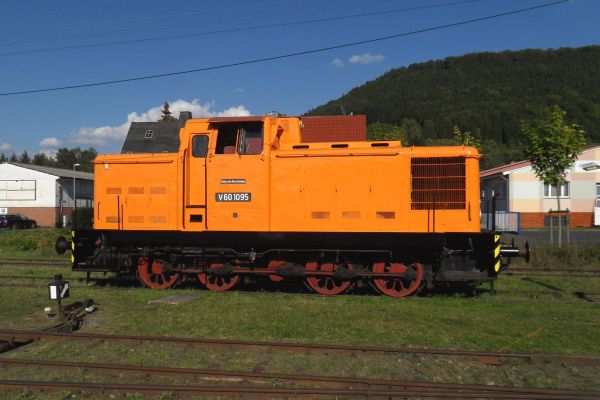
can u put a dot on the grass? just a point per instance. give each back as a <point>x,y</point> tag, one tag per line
<point>487,323</point>
<point>575,256</point>
<point>560,324</point>
<point>31,243</point>
<point>478,323</point>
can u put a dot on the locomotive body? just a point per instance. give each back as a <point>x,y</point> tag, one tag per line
<point>245,197</point>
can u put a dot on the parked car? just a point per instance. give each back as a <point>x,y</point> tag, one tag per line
<point>16,221</point>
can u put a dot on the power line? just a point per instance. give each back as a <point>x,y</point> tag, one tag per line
<point>243,29</point>
<point>289,55</point>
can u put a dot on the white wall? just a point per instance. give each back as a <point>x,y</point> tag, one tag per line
<point>10,177</point>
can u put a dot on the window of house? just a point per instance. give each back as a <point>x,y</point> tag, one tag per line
<point>199,146</point>
<point>550,190</point>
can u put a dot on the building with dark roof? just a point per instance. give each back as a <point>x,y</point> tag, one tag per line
<point>152,137</point>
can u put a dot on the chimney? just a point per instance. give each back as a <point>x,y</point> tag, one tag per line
<point>183,117</point>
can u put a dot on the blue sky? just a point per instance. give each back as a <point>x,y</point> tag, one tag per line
<point>99,116</point>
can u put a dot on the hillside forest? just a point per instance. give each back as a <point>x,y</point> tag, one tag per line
<point>487,95</point>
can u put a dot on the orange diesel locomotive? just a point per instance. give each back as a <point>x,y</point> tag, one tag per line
<point>245,197</point>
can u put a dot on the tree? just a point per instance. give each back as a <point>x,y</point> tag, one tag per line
<point>412,131</point>
<point>3,158</point>
<point>381,131</point>
<point>552,146</point>
<point>465,138</point>
<point>13,158</point>
<point>41,159</point>
<point>66,158</point>
<point>167,117</point>
<point>24,157</point>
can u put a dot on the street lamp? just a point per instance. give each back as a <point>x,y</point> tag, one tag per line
<point>74,195</point>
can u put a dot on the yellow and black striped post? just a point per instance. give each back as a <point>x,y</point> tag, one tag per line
<point>497,246</point>
<point>72,247</point>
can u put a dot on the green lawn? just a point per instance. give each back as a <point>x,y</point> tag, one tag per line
<point>31,243</point>
<point>562,324</point>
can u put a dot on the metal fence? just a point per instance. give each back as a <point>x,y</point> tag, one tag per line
<point>506,221</point>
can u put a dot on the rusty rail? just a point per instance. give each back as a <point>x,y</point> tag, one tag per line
<point>260,392</point>
<point>486,357</point>
<point>342,385</point>
<point>571,273</point>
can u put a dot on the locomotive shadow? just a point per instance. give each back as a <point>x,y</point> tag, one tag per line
<point>457,289</point>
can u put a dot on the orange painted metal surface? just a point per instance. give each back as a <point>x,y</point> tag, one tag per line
<point>278,183</point>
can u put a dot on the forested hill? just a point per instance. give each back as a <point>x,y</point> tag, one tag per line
<point>488,94</point>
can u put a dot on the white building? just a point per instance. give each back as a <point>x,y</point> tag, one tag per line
<point>42,193</point>
<point>518,189</point>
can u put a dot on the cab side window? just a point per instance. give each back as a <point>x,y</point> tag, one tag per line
<point>226,140</point>
<point>250,140</point>
<point>199,146</point>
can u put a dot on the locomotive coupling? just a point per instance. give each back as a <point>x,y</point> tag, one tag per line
<point>62,245</point>
<point>514,251</point>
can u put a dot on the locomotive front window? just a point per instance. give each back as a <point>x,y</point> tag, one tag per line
<point>199,146</point>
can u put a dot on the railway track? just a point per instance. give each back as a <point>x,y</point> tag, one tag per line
<point>261,384</point>
<point>294,290</point>
<point>15,262</point>
<point>10,335</point>
<point>563,272</point>
<point>572,273</point>
<point>447,391</point>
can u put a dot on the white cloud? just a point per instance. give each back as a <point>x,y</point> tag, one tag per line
<point>49,143</point>
<point>337,63</point>
<point>366,58</point>
<point>103,135</point>
<point>238,90</point>
<point>5,147</point>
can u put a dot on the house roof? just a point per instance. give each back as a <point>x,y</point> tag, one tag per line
<point>505,168</point>
<point>62,173</point>
<point>517,164</point>
<point>152,137</point>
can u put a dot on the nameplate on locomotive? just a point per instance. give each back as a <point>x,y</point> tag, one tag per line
<point>230,197</point>
<point>233,181</point>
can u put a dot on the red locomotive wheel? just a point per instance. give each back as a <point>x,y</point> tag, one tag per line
<point>326,285</point>
<point>218,283</point>
<point>399,286</point>
<point>155,276</point>
<point>274,264</point>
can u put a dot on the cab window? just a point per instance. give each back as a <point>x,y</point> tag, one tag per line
<point>226,139</point>
<point>250,140</point>
<point>199,146</point>
<point>241,138</point>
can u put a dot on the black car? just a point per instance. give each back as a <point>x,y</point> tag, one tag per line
<point>16,221</point>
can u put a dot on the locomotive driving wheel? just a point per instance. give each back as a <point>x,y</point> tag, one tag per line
<point>156,275</point>
<point>218,281</point>
<point>327,285</point>
<point>273,265</point>
<point>408,279</point>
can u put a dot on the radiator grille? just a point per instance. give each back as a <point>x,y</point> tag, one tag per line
<point>438,183</point>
